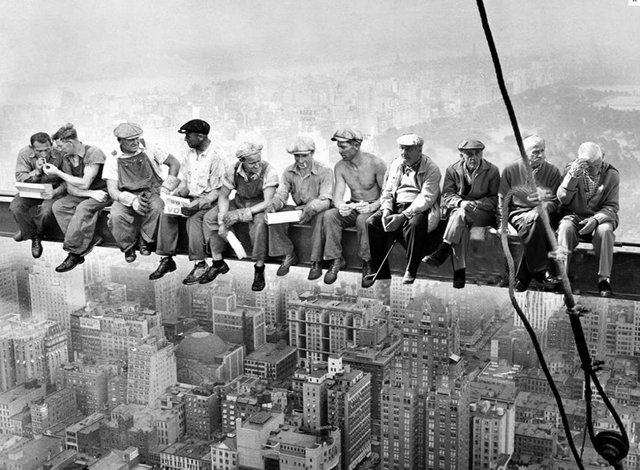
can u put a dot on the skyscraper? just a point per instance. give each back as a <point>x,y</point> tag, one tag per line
<point>152,368</point>
<point>238,323</point>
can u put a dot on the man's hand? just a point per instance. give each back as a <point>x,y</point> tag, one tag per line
<point>363,207</point>
<point>47,193</point>
<point>469,206</point>
<point>577,167</point>
<point>99,195</point>
<point>223,231</point>
<point>394,222</point>
<point>307,215</point>
<point>230,218</point>
<point>588,225</point>
<point>345,209</point>
<point>270,209</point>
<point>48,168</point>
<point>140,205</point>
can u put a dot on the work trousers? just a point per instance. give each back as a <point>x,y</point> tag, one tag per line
<point>333,223</point>
<point>33,216</point>
<point>77,217</point>
<point>457,231</point>
<point>281,245</point>
<point>127,225</point>
<point>257,229</point>
<point>168,235</point>
<point>412,235</point>
<point>602,240</point>
<point>536,245</point>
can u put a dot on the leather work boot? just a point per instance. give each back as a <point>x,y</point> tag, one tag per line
<point>332,274</point>
<point>367,273</point>
<point>604,288</point>
<point>459,278</point>
<point>36,247</point>
<point>69,263</point>
<point>287,262</point>
<point>439,256</point>
<point>166,265</point>
<point>196,273</point>
<point>130,255</point>
<point>143,248</point>
<point>408,277</point>
<point>219,267</point>
<point>258,279</point>
<point>316,271</point>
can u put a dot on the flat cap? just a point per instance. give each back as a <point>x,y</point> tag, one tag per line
<point>470,144</point>
<point>347,134</point>
<point>590,151</point>
<point>303,145</point>
<point>127,130</point>
<point>197,126</point>
<point>409,140</point>
<point>246,149</point>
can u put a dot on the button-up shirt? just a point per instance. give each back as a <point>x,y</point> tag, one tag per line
<point>26,171</point>
<point>156,155</point>
<point>315,185</point>
<point>201,173</point>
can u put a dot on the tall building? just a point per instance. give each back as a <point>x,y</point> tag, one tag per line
<point>109,332</point>
<point>272,362</point>
<point>53,409</point>
<point>107,293</point>
<point>428,376</point>
<point>323,324</point>
<point>151,370</point>
<point>349,409</point>
<point>30,349</point>
<point>492,432</point>
<point>238,324</point>
<point>54,296</point>
<point>89,383</point>
<point>202,408</point>
<point>538,307</point>
<point>136,277</point>
<point>8,291</point>
<point>14,401</point>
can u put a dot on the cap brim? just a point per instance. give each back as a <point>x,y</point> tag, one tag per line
<point>340,139</point>
<point>300,153</point>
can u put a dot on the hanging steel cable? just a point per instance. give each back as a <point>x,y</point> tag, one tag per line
<point>612,446</point>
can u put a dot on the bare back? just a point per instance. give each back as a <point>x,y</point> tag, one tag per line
<point>364,179</point>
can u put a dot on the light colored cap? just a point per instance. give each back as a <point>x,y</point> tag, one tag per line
<point>409,140</point>
<point>302,145</point>
<point>347,134</point>
<point>590,151</point>
<point>127,130</point>
<point>246,149</point>
<point>470,144</point>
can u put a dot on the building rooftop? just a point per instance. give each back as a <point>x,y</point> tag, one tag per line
<point>270,353</point>
<point>193,449</point>
<point>308,441</point>
<point>18,392</point>
<point>203,346</point>
<point>88,421</point>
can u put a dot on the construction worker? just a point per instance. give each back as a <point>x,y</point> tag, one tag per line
<point>134,183</point>
<point>77,212</point>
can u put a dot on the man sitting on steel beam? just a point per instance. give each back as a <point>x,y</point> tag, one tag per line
<point>589,196</point>
<point>469,199</point>
<point>255,182</point>
<point>78,212</point>
<point>34,216</point>
<point>409,209</point>
<point>310,185</point>
<point>363,173</point>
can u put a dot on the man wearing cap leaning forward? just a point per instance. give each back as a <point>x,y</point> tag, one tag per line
<point>201,172</point>
<point>363,173</point>
<point>409,208</point>
<point>134,183</point>
<point>589,196</point>
<point>523,214</point>
<point>30,164</point>
<point>255,182</point>
<point>470,198</point>
<point>78,212</point>
<point>311,186</point>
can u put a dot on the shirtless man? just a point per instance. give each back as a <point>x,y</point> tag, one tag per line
<point>363,173</point>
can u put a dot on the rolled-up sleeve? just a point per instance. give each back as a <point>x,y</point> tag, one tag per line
<point>270,177</point>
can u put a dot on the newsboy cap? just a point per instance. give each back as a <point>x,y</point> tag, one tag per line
<point>127,130</point>
<point>246,149</point>
<point>197,126</point>
<point>470,144</point>
<point>303,145</point>
<point>347,134</point>
<point>409,140</point>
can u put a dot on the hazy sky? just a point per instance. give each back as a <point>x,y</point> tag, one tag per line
<point>53,42</point>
